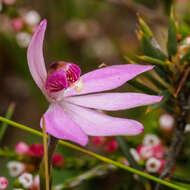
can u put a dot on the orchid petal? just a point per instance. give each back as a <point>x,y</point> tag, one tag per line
<point>107,78</point>
<point>98,124</point>
<point>114,101</point>
<point>60,125</point>
<point>35,56</point>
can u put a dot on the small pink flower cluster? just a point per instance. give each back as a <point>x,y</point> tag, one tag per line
<point>36,150</point>
<point>24,22</point>
<point>109,144</point>
<point>27,164</point>
<point>3,183</point>
<point>8,2</point>
<point>25,25</point>
<point>29,19</point>
<point>150,154</point>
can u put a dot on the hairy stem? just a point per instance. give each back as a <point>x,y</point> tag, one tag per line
<point>52,144</point>
<point>45,166</point>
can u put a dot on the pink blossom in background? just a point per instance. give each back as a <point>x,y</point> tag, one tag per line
<point>72,111</point>
<point>9,2</point>
<point>98,141</point>
<point>148,151</point>
<point>166,122</point>
<point>163,162</point>
<point>111,147</point>
<point>15,168</point>
<point>58,160</point>
<point>145,151</point>
<point>36,183</point>
<point>154,165</point>
<point>17,24</point>
<point>21,148</point>
<point>36,150</point>
<point>3,183</point>
<point>26,179</point>
<point>158,151</point>
<point>151,140</point>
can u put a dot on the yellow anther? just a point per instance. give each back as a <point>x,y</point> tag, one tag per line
<point>78,85</point>
<point>102,65</point>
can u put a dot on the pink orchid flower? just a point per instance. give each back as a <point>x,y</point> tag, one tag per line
<point>72,113</point>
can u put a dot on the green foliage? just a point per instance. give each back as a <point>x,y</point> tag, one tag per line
<point>172,36</point>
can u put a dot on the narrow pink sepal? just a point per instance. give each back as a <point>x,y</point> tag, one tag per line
<point>114,101</point>
<point>59,124</point>
<point>35,56</point>
<point>95,123</point>
<point>108,78</point>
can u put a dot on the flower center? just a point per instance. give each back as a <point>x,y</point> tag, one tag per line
<point>62,75</point>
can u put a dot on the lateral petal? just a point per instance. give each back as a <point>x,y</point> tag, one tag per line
<point>35,56</point>
<point>113,101</point>
<point>59,124</point>
<point>107,78</point>
<point>98,124</point>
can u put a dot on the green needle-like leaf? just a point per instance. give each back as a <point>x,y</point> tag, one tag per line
<point>172,37</point>
<point>152,49</point>
<point>8,115</point>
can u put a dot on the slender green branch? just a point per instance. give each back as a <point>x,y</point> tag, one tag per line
<point>142,87</point>
<point>8,115</point>
<point>100,170</point>
<point>52,144</point>
<point>102,158</point>
<point>180,179</point>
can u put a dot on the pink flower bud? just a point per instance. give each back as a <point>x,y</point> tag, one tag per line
<point>3,183</point>
<point>111,147</point>
<point>21,148</point>
<point>58,160</point>
<point>166,122</point>
<point>98,141</point>
<point>36,150</point>
<point>17,24</point>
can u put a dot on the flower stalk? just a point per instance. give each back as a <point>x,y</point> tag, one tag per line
<point>46,164</point>
<point>98,171</point>
<point>45,157</point>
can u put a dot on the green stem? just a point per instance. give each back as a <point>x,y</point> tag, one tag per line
<point>180,179</point>
<point>8,116</point>
<point>152,60</point>
<point>102,158</point>
<point>98,171</point>
<point>52,144</point>
<point>155,81</point>
<point>142,87</point>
